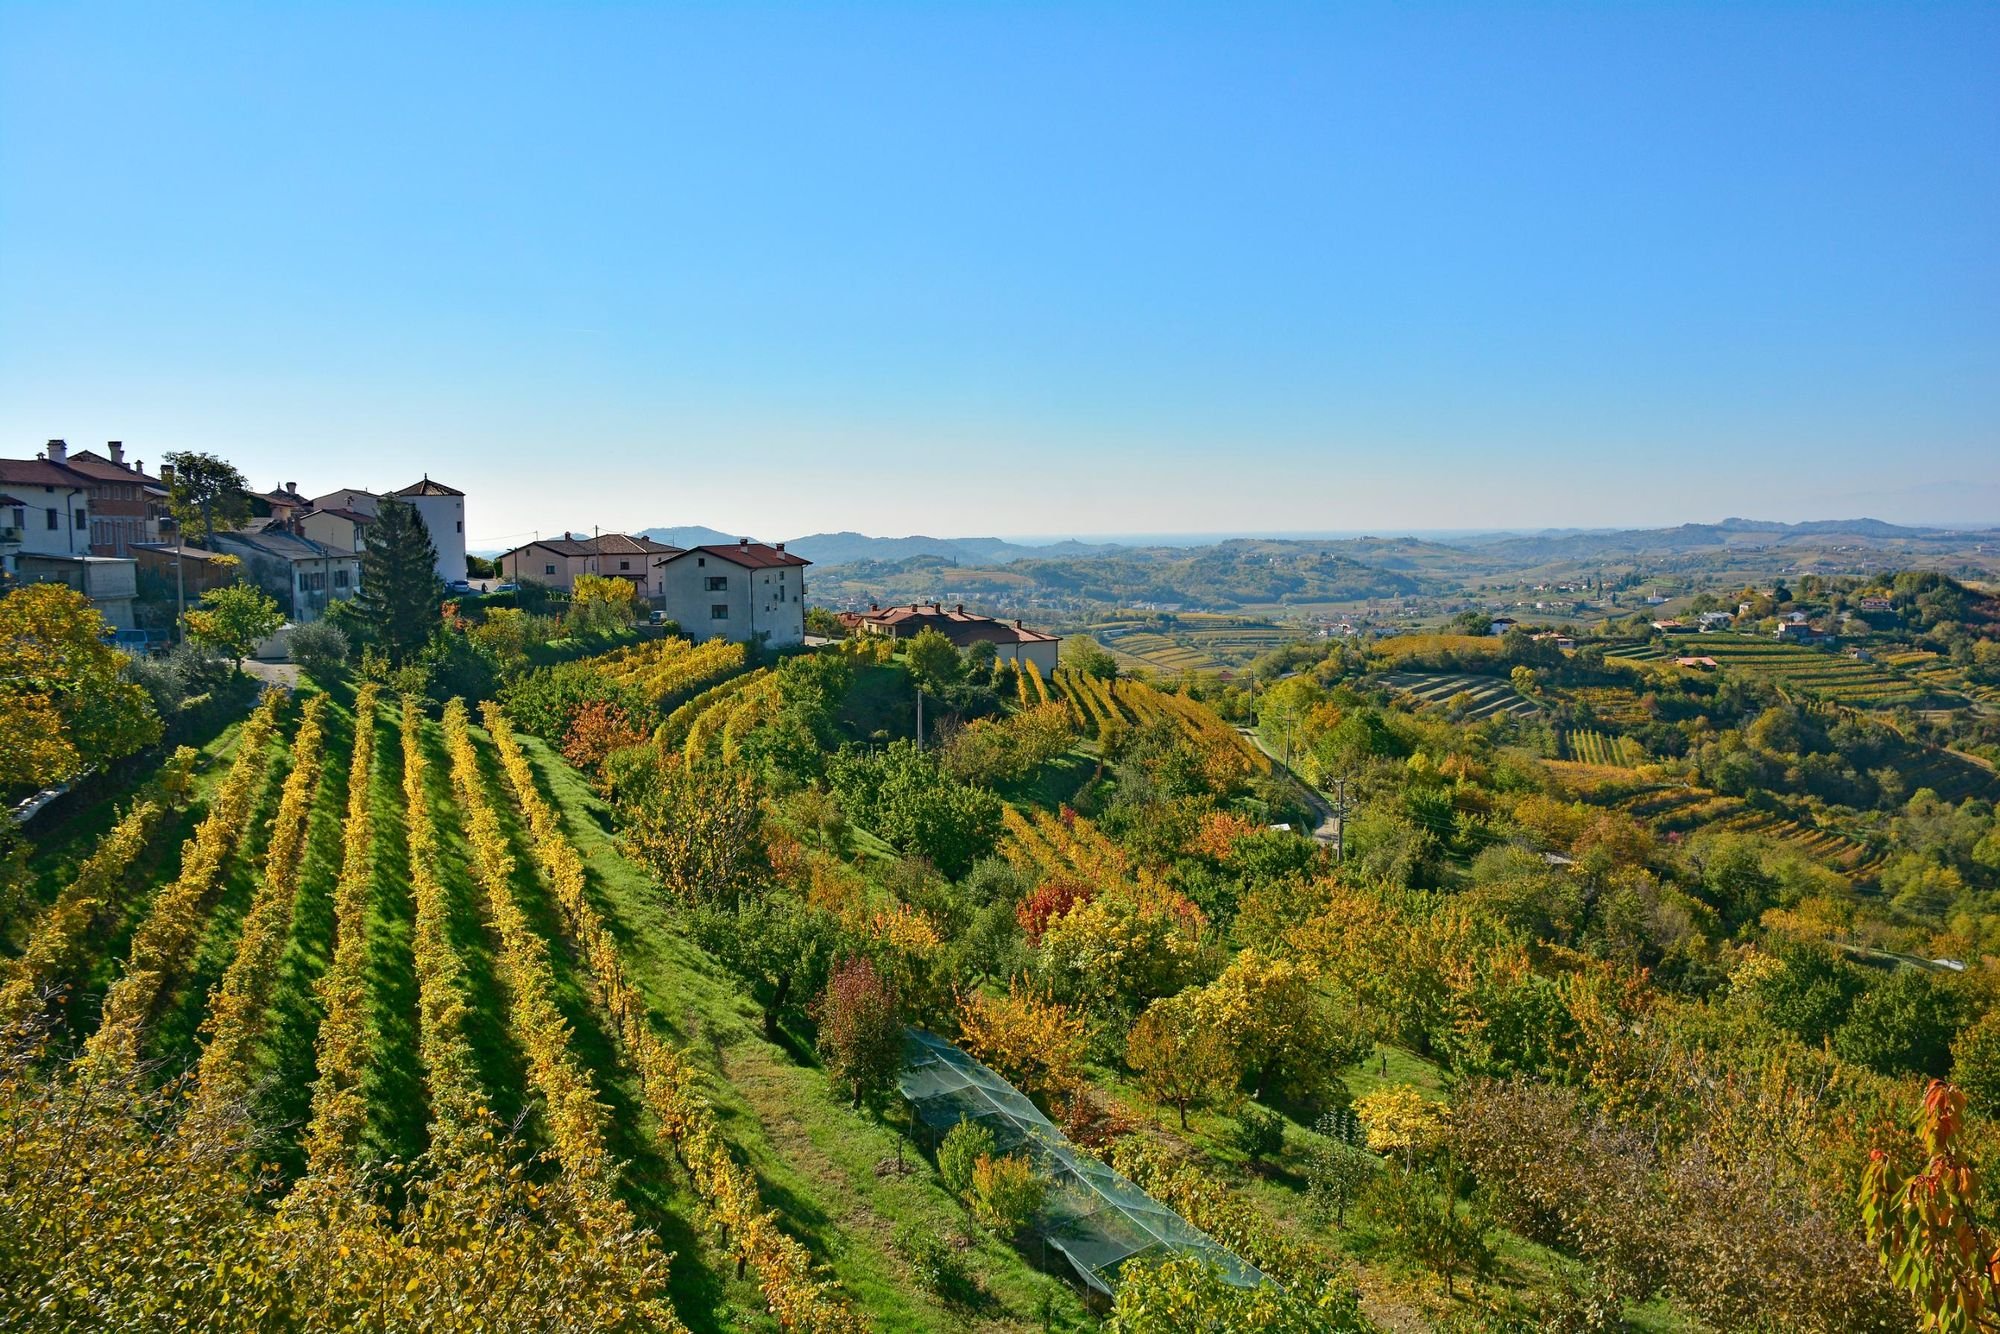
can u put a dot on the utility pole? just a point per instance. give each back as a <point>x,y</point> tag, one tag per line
<point>920,717</point>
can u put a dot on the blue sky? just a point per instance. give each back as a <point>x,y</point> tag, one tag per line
<point>980,268</point>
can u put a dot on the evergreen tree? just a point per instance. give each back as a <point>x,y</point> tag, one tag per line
<point>400,592</point>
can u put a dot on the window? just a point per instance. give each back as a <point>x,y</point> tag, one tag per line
<point>340,578</point>
<point>701,561</point>
<point>461,525</point>
<point>82,520</point>
<point>718,611</point>
<point>54,523</point>
<point>624,564</point>
<point>548,569</point>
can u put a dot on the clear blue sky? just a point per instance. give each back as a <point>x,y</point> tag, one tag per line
<point>978,268</point>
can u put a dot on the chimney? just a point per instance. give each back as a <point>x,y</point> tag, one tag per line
<point>781,546</point>
<point>117,451</point>
<point>167,473</point>
<point>873,607</point>
<point>1017,622</point>
<point>139,466</point>
<point>742,541</point>
<point>58,450</point>
<point>960,609</point>
<point>292,487</point>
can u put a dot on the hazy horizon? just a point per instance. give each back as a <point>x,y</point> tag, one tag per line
<point>948,269</point>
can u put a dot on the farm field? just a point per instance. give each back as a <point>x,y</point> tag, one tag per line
<point>1490,695</point>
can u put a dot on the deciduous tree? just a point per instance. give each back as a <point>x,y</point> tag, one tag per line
<point>860,1029</point>
<point>63,704</point>
<point>1180,1059</point>
<point>234,619</point>
<point>207,494</point>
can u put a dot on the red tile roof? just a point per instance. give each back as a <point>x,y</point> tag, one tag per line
<point>92,464</point>
<point>41,472</point>
<point>749,555</point>
<point>958,625</point>
<point>606,544</point>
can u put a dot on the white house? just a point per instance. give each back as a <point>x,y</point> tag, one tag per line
<point>46,507</point>
<point>747,592</point>
<point>443,512</point>
<point>441,507</point>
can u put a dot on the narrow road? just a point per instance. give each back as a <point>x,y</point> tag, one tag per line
<point>1328,829</point>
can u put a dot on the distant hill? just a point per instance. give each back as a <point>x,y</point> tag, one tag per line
<point>845,548</point>
<point>694,535</point>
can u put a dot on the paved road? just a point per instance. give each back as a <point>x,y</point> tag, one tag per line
<point>1328,829</point>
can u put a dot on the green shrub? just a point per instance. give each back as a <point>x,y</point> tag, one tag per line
<point>936,1263</point>
<point>960,1153</point>
<point>1259,1133</point>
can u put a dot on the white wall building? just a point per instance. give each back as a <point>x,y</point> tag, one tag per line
<point>747,592</point>
<point>443,511</point>
<point>49,513</point>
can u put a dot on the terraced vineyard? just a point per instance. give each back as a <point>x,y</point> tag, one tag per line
<point>1491,695</point>
<point>1587,746</point>
<point>1193,643</point>
<point>1095,704</point>
<point>1682,809</point>
<point>1611,704</point>
<point>1814,672</point>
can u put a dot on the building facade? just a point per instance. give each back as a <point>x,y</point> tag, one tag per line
<point>556,562</point>
<point>110,582</point>
<point>126,506</point>
<point>749,592</point>
<point>443,511</point>
<point>303,575</point>
<point>52,506</point>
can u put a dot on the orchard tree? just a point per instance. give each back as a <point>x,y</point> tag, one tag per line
<point>401,596</point>
<point>1975,1063</point>
<point>64,705</point>
<point>1180,1060</point>
<point>207,494</point>
<point>699,829</point>
<point>234,619</point>
<point>860,1030</point>
<point>934,661</point>
<point>1037,1044</point>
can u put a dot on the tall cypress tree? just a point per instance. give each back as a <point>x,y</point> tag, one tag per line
<point>400,594</point>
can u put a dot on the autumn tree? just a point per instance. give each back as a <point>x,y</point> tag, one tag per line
<point>698,828</point>
<point>860,1029</point>
<point>1928,1223</point>
<point>1180,1060</point>
<point>1402,1121</point>
<point>64,705</point>
<point>234,619</point>
<point>1035,1043</point>
<point>207,494</point>
<point>401,595</point>
<point>597,728</point>
<point>1006,1193</point>
<point>599,604</point>
<point>1282,1029</point>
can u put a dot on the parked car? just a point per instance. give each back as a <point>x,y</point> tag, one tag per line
<point>505,588</point>
<point>458,586</point>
